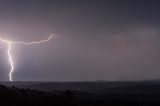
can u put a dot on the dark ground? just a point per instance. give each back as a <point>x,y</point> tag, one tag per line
<point>101,93</point>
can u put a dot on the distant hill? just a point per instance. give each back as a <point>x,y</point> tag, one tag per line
<point>94,86</point>
<point>146,93</point>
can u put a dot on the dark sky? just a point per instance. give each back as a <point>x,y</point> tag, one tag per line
<point>97,39</point>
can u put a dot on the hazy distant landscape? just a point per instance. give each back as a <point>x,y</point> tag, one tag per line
<point>139,93</point>
<point>81,85</point>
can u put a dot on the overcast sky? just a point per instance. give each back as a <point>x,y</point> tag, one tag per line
<point>96,39</point>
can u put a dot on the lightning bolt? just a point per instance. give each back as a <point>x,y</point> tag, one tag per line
<point>10,43</point>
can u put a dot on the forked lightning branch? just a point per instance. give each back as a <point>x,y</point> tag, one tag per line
<point>10,43</point>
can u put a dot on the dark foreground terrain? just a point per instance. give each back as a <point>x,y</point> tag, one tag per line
<point>145,93</point>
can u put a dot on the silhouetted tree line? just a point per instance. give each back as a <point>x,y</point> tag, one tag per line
<point>12,96</point>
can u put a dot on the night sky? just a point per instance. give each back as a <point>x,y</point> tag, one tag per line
<point>96,39</point>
